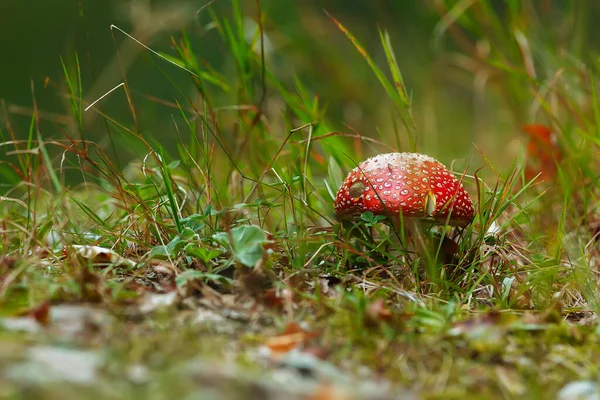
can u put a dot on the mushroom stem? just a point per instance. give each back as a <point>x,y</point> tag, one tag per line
<point>409,230</point>
<point>413,231</point>
<point>417,234</point>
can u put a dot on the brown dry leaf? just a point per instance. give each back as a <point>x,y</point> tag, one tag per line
<point>8,263</point>
<point>292,337</point>
<point>40,313</point>
<point>480,322</point>
<point>277,298</point>
<point>377,312</point>
<point>553,314</point>
<point>485,332</point>
<point>521,299</point>
<point>41,252</point>
<point>530,318</point>
<point>162,267</point>
<point>255,282</point>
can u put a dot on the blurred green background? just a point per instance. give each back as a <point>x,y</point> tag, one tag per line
<point>458,103</point>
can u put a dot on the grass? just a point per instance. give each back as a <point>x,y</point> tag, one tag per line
<point>216,242</point>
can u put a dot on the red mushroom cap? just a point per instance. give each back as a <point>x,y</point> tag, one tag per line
<point>409,184</point>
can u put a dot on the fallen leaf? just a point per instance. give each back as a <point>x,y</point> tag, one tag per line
<point>293,337</point>
<point>41,252</point>
<point>485,332</point>
<point>277,298</point>
<point>41,313</point>
<point>8,263</point>
<point>254,281</point>
<point>377,312</point>
<point>162,267</point>
<point>99,256</point>
<point>284,343</point>
<point>543,153</point>
<point>489,319</point>
<point>293,327</point>
<point>326,391</point>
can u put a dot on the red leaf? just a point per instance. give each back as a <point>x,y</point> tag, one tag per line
<point>41,313</point>
<point>543,153</point>
<point>277,298</point>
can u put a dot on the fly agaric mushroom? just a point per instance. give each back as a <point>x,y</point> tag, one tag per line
<point>411,185</point>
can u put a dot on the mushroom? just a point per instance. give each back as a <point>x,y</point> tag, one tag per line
<point>410,186</point>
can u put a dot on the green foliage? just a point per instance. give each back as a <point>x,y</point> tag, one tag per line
<point>192,275</point>
<point>246,243</point>
<point>371,219</point>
